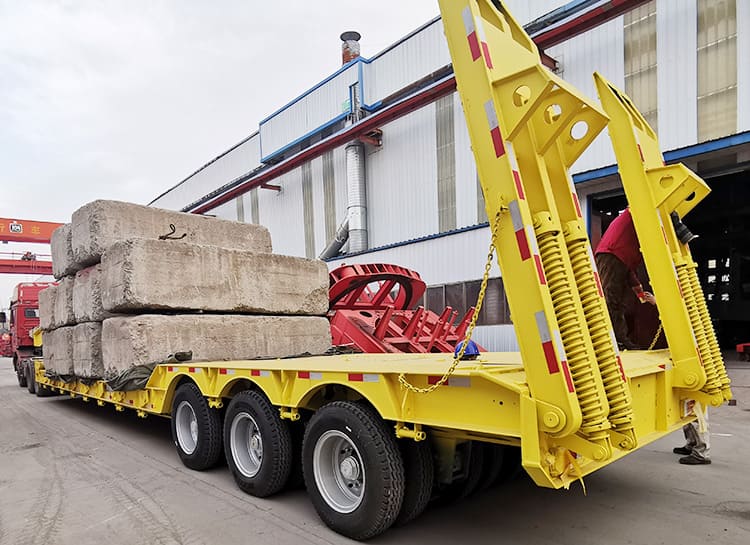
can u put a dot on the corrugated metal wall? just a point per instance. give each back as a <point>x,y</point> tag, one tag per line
<point>234,163</point>
<point>743,67</point>
<point>281,212</point>
<point>466,170</point>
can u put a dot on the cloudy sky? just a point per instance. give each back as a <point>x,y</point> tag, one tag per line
<point>123,99</point>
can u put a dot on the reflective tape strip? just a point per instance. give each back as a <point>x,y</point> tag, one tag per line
<point>471,33</point>
<point>518,227</point>
<point>514,169</point>
<point>666,366</point>
<point>531,237</point>
<point>226,371</point>
<point>483,43</point>
<point>130,401</point>
<point>194,369</point>
<point>494,124</point>
<point>316,375</point>
<point>577,204</point>
<point>597,278</point>
<point>363,377</point>
<point>303,374</point>
<point>564,361</point>
<point>260,373</point>
<point>170,369</point>
<point>460,382</point>
<point>547,344</point>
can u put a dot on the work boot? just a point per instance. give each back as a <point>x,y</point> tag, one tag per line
<point>683,451</point>
<point>627,345</point>
<point>693,461</point>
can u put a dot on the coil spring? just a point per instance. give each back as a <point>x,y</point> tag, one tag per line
<point>712,386</point>
<point>620,407</point>
<point>708,327</point>
<point>594,423</point>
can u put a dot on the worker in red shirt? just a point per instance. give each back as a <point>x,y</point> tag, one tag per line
<point>618,255</point>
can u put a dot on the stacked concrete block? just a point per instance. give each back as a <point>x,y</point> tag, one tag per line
<point>141,274</point>
<point>57,348</point>
<point>149,338</point>
<point>63,263</point>
<point>63,313</point>
<point>99,224</point>
<point>87,350</point>
<point>87,295</point>
<point>47,300</point>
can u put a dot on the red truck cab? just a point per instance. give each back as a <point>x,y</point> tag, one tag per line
<point>24,316</point>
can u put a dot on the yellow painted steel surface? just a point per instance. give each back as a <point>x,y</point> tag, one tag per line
<point>569,398</point>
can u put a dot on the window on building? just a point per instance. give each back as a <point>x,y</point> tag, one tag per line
<point>717,68</point>
<point>640,59</point>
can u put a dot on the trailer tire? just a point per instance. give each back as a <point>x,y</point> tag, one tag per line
<point>30,376</point>
<point>512,467</point>
<point>494,457</point>
<point>257,444</point>
<point>463,488</point>
<point>196,428</point>
<point>353,469</point>
<point>419,471</point>
<point>20,374</point>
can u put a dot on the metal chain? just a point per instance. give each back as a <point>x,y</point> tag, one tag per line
<point>480,299</point>
<point>656,337</point>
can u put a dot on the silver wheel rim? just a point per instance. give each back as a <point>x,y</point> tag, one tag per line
<point>246,444</point>
<point>186,424</point>
<point>339,471</point>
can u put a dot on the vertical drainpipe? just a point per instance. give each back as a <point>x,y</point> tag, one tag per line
<point>356,181</point>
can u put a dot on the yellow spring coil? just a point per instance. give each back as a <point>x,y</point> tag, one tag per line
<point>620,407</point>
<point>708,327</point>
<point>712,386</point>
<point>594,418</point>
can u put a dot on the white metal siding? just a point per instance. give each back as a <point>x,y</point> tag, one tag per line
<point>743,67</point>
<point>466,170</point>
<point>600,49</point>
<point>319,220</point>
<point>676,72</point>
<point>281,213</point>
<point>308,113</point>
<point>226,211</point>
<point>240,160</point>
<point>401,180</point>
<point>525,11</point>
<point>420,55</point>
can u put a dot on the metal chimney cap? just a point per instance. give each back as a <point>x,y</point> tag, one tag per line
<point>350,35</point>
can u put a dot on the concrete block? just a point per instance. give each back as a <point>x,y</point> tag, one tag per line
<point>64,303</point>
<point>63,263</point>
<point>87,350</point>
<point>150,338</point>
<point>99,224</point>
<point>87,295</point>
<point>140,274</point>
<point>57,349</point>
<point>47,300</point>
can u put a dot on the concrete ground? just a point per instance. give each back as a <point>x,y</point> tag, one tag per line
<point>75,474</point>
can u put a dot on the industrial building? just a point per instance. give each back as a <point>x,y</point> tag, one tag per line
<point>373,164</point>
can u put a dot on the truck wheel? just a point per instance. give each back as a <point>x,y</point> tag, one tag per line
<point>196,428</point>
<point>353,469</point>
<point>419,470</point>
<point>463,488</point>
<point>493,464</point>
<point>30,377</point>
<point>257,444</point>
<point>20,375</point>
<point>512,467</point>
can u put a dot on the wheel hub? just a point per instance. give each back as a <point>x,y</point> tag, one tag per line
<point>349,468</point>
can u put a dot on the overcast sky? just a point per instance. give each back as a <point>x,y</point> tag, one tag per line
<point>123,99</point>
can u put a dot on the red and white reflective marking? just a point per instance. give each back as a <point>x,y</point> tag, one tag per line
<point>531,237</point>
<point>520,230</point>
<point>260,373</point>
<point>596,273</point>
<point>577,204</point>
<point>514,168</point>
<point>471,34</point>
<point>666,366</point>
<point>549,346</point>
<point>224,371</point>
<point>564,361</point>
<point>170,369</point>
<point>194,369</point>
<point>311,375</point>
<point>617,355</point>
<point>494,124</point>
<point>461,382</point>
<point>483,43</point>
<point>638,145</point>
<point>364,377</point>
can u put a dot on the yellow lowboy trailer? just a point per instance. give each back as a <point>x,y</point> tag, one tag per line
<point>377,434</point>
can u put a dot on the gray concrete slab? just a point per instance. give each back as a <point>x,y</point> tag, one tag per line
<point>142,275</point>
<point>64,303</point>
<point>61,249</point>
<point>87,295</point>
<point>57,349</point>
<point>87,350</point>
<point>150,338</point>
<point>76,474</point>
<point>47,301</point>
<point>99,224</point>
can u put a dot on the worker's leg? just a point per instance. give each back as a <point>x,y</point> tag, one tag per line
<point>614,278</point>
<point>698,441</point>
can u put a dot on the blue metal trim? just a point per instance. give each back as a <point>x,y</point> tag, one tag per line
<point>413,241</point>
<point>672,155</point>
<point>301,138</point>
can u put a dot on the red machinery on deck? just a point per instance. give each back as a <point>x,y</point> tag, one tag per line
<point>372,310</point>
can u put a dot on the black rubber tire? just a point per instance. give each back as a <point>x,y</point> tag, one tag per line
<point>419,471</point>
<point>30,377</point>
<point>296,475</point>
<point>41,391</point>
<point>208,449</point>
<point>494,455</point>
<point>512,467</point>
<point>20,374</point>
<point>381,464</point>
<point>276,458</point>
<point>459,490</point>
